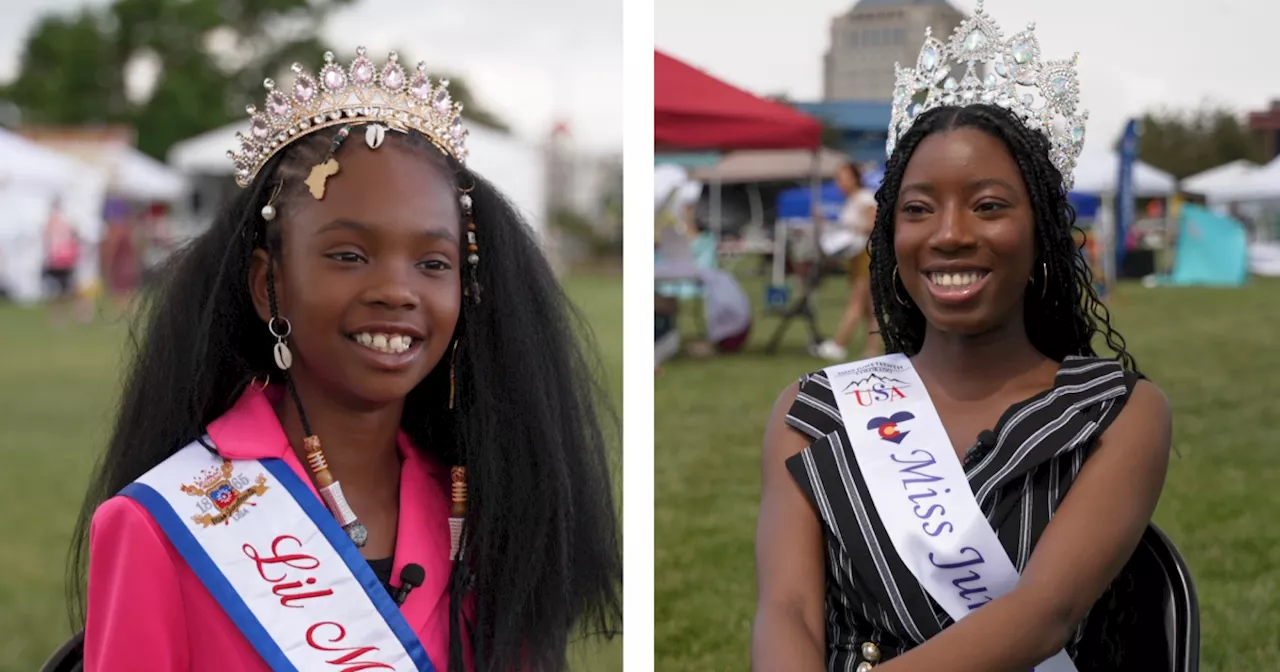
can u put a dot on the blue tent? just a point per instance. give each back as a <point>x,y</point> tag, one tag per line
<point>795,203</point>
<point>1212,250</point>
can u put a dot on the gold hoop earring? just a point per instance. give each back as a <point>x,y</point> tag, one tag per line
<point>266,382</point>
<point>896,280</point>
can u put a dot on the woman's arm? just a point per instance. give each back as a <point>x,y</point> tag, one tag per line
<point>788,633</point>
<point>135,618</point>
<point>868,218</point>
<point>1092,536</point>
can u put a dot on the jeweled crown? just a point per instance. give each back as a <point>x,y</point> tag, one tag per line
<point>358,94</point>
<point>1044,94</point>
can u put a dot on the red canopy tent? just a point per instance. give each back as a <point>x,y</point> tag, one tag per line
<point>695,111</point>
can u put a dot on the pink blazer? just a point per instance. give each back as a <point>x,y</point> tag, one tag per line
<point>148,611</point>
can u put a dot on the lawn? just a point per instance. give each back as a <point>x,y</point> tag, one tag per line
<point>57,390</point>
<point>1212,351</point>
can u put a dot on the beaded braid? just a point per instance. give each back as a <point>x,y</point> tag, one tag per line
<point>1064,316</point>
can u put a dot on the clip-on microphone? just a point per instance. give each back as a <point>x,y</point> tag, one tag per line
<point>411,576</point>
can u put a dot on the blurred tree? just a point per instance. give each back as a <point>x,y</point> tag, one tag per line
<point>1186,142</point>
<point>209,57</point>
<point>67,72</point>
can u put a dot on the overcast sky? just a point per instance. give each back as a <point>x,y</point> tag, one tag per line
<point>1135,55</point>
<point>528,67</point>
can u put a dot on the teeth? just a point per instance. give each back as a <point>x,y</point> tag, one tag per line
<point>956,279</point>
<point>391,343</point>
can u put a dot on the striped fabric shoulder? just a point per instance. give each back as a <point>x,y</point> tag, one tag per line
<point>1057,422</point>
<point>814,412</point>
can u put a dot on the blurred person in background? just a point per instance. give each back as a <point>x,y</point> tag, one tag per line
<point>968,501</point>
<point>857,216</point>
<point>367,289</point>
<point>61,257</point>
<point>120,263</point>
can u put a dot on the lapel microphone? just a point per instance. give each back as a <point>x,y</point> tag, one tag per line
<point>411,576</point>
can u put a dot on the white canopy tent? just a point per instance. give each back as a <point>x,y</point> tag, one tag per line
<point>32,178</point>
<point>139,177</point>
<point>1212,182</point>
<point>771,165</point>
<point>513,166</point>
<point>1262,184</point>
<point>1099,173</point>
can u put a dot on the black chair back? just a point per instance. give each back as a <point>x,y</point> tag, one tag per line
<point>1149,619</point>
<point>68,658</point>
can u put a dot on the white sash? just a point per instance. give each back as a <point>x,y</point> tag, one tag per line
<point>920,490</point>
<point>278,563</point>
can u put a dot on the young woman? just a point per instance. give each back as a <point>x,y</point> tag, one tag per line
<point>858,216</point>
<point>359,432</point>
<point>964,502</point>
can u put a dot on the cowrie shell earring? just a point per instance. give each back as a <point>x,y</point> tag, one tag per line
<point>284,358</point>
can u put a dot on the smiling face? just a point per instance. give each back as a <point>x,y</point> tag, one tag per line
<point>964,232</point>
<point>369,277</point>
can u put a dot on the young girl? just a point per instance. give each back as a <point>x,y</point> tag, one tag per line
<point>359,432</point>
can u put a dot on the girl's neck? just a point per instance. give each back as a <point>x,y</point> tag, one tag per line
<point>360,447</point>
<point>990,359</point>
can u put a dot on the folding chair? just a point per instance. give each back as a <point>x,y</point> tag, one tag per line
<point>803,306</point>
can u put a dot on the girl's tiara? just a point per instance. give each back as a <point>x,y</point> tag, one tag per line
<point>360,93</point>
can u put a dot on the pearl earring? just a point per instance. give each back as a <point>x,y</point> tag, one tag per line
<point>269,210</point>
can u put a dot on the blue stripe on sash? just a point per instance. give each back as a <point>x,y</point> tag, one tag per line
<point>209,574</point>
<point>347,550</point>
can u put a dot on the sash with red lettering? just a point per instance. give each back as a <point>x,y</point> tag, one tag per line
<point>278,563</point>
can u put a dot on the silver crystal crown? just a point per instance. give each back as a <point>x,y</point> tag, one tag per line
<point>359,94</point>
<point>1044,94</point>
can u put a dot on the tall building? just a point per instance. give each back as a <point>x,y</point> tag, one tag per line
<point>871,37</point>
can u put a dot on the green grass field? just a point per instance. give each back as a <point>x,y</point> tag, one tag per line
<point>57,391</point>
<point>1215,354</point>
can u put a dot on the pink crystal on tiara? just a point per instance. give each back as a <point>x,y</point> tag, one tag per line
<point>334,79</point>
<point>358,94</point>
<point>362,71</point>
<point>304,89</point>
<point>393,76</point>
<point>420,87</point>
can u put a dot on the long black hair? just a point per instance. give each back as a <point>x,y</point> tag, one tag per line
<point>1061,309</point>
<point>541,554</point>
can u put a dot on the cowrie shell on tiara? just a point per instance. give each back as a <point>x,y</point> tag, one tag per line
<point>374,134</point>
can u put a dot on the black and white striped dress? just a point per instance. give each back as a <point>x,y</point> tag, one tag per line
<point>1042,443</point>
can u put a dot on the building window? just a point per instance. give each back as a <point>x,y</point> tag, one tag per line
<point>851,38</point>
<point>900,36</point>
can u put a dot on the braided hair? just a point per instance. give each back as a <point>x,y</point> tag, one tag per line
<point>1061,309</point>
